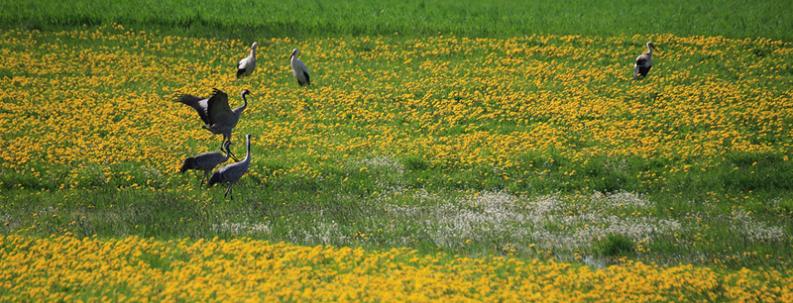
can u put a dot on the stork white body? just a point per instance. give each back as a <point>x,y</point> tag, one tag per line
<point>299,69</point>
<point>644,62</point>
<point>246,66</point>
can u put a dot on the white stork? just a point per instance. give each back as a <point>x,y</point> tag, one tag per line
<point>644,62</point>
<point>246,66</point>
<point>299,69</point>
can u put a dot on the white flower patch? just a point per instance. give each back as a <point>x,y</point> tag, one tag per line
<point>486,216</point>
<point>320,232</point>
<point>578,223</point>
<point>386,172</point>
<point>385,163</point>
<point>547,221</point>
<point>755,230</point>
<point>236,228</point>
<point>546,205</point>
<point>8,222</point>
<point>623,199</point>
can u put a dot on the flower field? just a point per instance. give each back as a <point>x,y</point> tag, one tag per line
<point>141,270</point>
<point>434,168</point>
<point>85,97</point>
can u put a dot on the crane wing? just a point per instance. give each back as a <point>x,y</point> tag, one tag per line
<point>218,109</point>
<point>195,103</point>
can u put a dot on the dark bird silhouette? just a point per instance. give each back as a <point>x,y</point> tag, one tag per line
<point>206,162</point>
<point>232,173</point>
<point>216,114</point>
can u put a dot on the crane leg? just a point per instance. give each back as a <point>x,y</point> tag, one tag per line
<point>228,139</point>
<point>228,191</point>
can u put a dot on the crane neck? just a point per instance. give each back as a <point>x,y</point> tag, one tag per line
<point>253,52</point>
<point>649,51</point>
<point>247,149</point>
<point>244,104</point>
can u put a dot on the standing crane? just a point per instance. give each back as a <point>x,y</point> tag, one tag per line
<point>644,62</point>
<point>206,161</point>
<point>216,114</point>
<point>299,69</point>
<point>246,66</point>
<point>232,173</point>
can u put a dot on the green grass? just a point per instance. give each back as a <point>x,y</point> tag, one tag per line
<point>615,245</point>
<point>245,19</point>
<point>362,204</point>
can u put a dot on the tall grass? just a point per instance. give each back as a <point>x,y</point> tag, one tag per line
<point>240,18</point>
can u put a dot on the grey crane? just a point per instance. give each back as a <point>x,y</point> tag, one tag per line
<point>299,69</point>
<point>644,62</point>
<point>216,114</point>
<point>206,161</point>
<point>246,66</point>
<point>232,173</point>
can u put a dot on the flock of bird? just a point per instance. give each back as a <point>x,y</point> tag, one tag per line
<point>220,119</point>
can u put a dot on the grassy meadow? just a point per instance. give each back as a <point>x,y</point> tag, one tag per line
<point>448,150</point>
<point>502,18</point>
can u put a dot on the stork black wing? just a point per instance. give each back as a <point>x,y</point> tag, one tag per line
<point>643,70</point>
